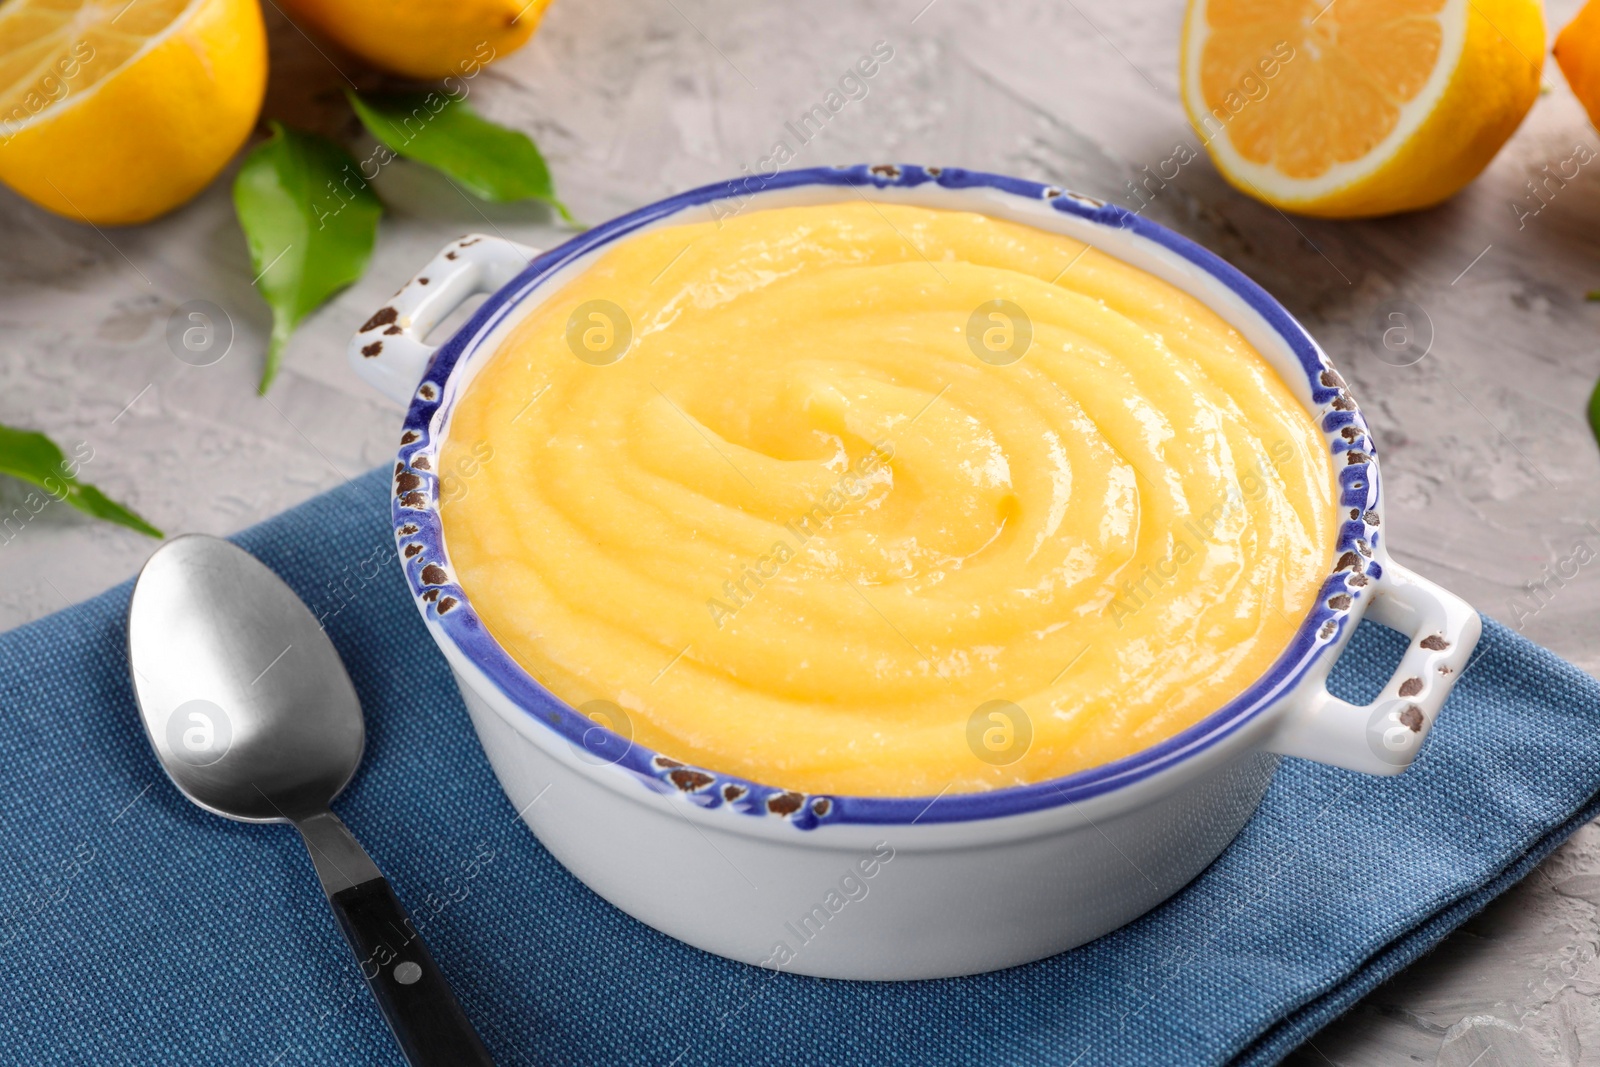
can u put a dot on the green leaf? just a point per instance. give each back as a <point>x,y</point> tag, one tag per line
<point>1594,411</point>
<point>310,220</point>
<point>35,458</point>
<point>489,160</point>
<point>1592,295</point>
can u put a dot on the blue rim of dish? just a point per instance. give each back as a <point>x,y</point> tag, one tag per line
<point>446,606</point>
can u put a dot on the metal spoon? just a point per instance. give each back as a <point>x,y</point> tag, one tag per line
<point>253,718</point>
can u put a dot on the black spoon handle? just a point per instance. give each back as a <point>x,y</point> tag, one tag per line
<point>416,1000</point>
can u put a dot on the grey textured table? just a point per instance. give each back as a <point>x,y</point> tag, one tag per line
<point>1491,471</point>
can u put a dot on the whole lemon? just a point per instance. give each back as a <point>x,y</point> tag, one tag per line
<point>114,112</point>
<point>1577,53</point>
<point>423,39</point>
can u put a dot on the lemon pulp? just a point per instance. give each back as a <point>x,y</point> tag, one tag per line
<point>115,112</point>
<point>1358,107</point>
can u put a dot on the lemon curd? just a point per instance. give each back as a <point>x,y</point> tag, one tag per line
<point>877,499</point>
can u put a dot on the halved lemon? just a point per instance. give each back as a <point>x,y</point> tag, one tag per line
<point>115,111</point>
<point>1346,108</point>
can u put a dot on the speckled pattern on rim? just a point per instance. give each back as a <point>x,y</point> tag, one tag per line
<point>444,604</point>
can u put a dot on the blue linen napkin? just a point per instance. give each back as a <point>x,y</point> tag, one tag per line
<point>135,928</point>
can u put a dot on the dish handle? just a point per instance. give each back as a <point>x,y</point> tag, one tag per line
<point>388,352</point>
<point>1383,737</point>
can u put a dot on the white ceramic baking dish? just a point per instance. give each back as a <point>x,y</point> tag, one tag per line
<point>895,887</point>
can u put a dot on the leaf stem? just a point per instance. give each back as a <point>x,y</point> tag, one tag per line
<point>281,331</point>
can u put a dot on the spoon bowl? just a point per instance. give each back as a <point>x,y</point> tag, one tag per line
<point>245,699</point>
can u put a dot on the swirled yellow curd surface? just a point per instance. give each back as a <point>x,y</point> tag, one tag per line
<point>820,526</point>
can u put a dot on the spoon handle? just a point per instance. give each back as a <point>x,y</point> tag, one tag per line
<point>412,992</point>
<point>416,1000</point>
